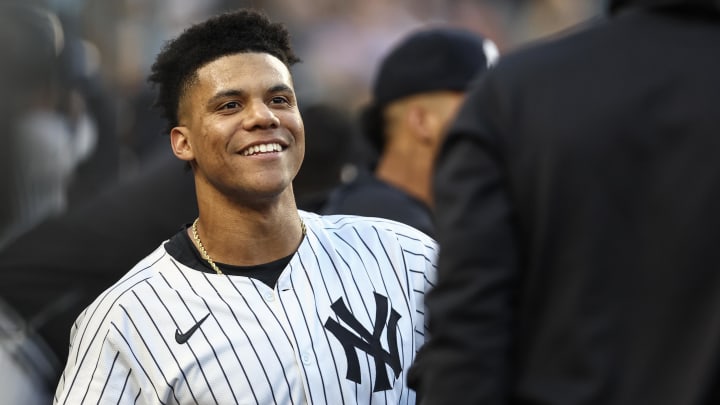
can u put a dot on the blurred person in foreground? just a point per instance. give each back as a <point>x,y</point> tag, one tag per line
<point>255,301</point>
<point>577,202</point>
<point>417,90</point>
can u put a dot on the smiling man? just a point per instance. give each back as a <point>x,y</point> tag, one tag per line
<point>254,301</point>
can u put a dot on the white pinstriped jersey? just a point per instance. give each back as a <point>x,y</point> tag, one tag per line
<point>341,326</point>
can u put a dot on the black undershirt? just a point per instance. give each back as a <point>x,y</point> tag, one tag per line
<point>183,250</point>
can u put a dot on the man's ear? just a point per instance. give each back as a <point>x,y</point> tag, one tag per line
<point>419,119</point>
<point>180,142</point>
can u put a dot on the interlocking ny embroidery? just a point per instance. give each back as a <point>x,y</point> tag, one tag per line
<point>368,342</point>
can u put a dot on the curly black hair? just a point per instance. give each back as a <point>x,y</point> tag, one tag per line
<point>230,33</point>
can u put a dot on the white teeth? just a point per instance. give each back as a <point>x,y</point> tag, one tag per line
<point>264,148</point>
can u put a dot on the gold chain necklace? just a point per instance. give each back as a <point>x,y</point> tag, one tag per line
<point>204,252</point>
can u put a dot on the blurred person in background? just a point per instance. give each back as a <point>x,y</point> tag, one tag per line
<point>417,91</point>
<point>47,128</point>
<point>90,105</point>
<point>577,199</point>
<point>42,144</point>
<point>334,152</point>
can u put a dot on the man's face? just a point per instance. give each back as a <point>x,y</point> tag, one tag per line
<point>447,110</point>
<point>240,127</point>
<point>443,106</point>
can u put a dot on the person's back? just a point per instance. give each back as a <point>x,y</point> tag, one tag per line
<point>587,206</point>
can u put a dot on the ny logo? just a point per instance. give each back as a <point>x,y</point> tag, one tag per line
<point>368,342</point>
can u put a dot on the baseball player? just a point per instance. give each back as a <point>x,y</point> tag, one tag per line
<point>254,302</point>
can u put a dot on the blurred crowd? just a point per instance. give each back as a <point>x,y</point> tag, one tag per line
<point>73,76</point>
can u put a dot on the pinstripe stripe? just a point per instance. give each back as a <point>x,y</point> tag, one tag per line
<point>122,391</point>
<point>357,253</point>
<point>177,326</point>
<point>198,362</point>
<point>349,271</point>
<point>405,296</point>
<point>144,342</point>
<point>369,317</point>
<point>152,321</point>
<point>201,331</point>
<point>319,318</point>
<point>427,259</point>
<point>272,344</point>
<point>109,374</point>
<point>239,324</point>
<point>142,368</point>
<point>93,373</point>
<point>78,346</point>
<point>167,346</point>
<point>377,264</point>
<point>107,293</point>
<point>294,336</point>
<point>406,284</point>
<point>307,329</point>
<point>101,305</point>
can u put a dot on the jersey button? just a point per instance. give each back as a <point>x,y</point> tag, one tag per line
<point>269,296</point>
<point>306,359</point>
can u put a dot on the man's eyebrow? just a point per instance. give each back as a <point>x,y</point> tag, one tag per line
<point>279,88</point>
<point>225,94</point>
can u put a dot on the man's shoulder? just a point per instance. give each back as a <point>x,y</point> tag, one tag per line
<point>121,291</point>
<point>356,226</point>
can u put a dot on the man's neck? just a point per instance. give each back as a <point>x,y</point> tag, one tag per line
<point>243,236</point>
<point>410,174</point>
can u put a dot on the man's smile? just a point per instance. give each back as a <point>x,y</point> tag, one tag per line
<point>262,148</point>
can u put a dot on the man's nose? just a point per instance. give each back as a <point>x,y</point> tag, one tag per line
<point>260,115</point>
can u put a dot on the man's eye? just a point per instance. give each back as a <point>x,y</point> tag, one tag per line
<point>279,100</point>
<point>230,105</point>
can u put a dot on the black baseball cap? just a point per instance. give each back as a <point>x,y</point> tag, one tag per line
<point>426,60</point>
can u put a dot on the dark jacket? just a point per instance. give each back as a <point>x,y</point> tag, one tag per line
<point>369,196</point>
<point>577,214</point>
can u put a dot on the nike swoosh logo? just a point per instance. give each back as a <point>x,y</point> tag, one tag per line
<point>183,337</point>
